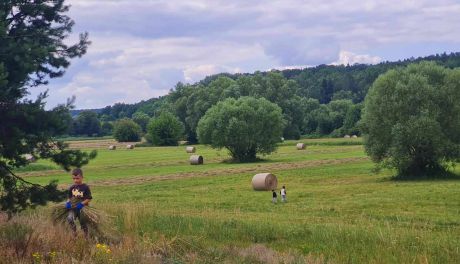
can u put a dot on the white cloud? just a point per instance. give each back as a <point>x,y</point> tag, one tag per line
<point>291,67</point>
<point>142,48</point>
<point>132,69</point>
<point>194,74</point>
<point>350,58</point>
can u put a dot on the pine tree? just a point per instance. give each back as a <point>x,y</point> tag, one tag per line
<point>32,51</point>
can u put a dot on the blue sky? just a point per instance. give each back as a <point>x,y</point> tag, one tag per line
<point>141,49</point>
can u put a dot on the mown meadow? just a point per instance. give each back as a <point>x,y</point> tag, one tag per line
<point>338,209</point>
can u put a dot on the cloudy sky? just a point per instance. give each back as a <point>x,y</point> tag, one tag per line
<point>142,48</point>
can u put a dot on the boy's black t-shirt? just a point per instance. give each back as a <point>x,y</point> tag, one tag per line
<point>274,194</point>
<point>81,192</point>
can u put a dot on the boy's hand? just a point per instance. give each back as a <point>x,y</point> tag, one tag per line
<point>80,206</point>
<point>68,205</point>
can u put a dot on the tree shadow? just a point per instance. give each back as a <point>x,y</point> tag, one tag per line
<point>432,176</point>
<point>257,160</point>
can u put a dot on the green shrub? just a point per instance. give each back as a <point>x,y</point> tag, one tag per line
<point>165,130</point>
<point>126,130</point>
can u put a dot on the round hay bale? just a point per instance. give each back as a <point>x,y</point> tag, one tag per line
<point>354,136</point>
<point>301,146</point>
<point>346,136</point>
<point>196,160</point>
<point>190,149</point>
<point>112,147</point>
<point>264,182</point>
<point>130,146</point>
<point>30,158</point>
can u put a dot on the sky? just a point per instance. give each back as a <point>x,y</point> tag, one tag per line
<point>141,48</point>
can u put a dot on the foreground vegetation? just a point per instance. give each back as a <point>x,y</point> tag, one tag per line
<point>338,210</point>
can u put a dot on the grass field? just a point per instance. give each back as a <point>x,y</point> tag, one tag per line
<point>338,211</point>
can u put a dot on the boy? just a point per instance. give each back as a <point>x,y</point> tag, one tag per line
<point>82,194</point>
<point>274,196</point>
<point>283,194</point>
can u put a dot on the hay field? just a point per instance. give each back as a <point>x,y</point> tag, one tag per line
<point>338,211</point>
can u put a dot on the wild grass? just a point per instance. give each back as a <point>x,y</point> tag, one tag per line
<point>32,238</point>
<point>338,211</point>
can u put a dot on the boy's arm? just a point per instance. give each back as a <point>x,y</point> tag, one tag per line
<point>86,202</point>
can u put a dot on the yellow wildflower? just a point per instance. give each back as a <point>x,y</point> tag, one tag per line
<point>37,257</point>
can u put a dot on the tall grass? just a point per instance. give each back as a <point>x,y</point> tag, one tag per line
<point>342,243</point>
<point>34,239</point>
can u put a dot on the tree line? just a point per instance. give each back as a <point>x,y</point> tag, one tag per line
<point>321,101</point>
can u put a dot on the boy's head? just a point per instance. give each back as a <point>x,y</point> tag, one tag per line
<point>77,176</point>
<point>284,187</point>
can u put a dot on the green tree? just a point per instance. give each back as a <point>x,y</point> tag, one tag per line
<point>142,119</point>
<point>342,95</point>
<point>126,130</point>
<point>165,130</point>
<point>352,118</point>
<point>338,111</point>
<point>32,51</point>
<point>310,120</point>
<point>246,127</point>
<point>87,123</point>
<point>277,89</point>
<point>294,116</point>
<point>202,99</point>
<point>411,119</point>
<point>324,119</point>
<point>107,128</point>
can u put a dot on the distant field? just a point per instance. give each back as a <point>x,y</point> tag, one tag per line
<point>337,210</point>
<point>70,139</point>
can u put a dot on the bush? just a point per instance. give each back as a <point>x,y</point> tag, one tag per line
<point>411,119</point>
<point>126,130</point>
<point>245,127</point>
<point>165,130</point>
